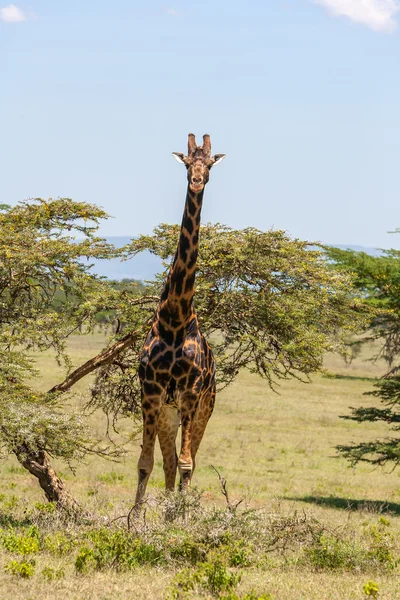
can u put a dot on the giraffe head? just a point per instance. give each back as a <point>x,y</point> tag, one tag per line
<point>198,162</point>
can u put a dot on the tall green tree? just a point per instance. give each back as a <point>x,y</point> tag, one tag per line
<point>40,259</point>
<point>378,280</point>
<point>266,302</point>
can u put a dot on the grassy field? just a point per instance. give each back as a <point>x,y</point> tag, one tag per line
<point>337,527</point>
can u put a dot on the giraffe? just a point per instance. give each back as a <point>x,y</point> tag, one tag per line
<point>177,367</point>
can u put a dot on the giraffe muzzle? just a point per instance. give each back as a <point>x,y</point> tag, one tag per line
<point>196,184</point>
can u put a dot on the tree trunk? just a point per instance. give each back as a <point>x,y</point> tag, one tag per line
<point>38,464</point>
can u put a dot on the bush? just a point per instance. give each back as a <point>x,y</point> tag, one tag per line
<point>374,550</point>
<point>116,549</point>
<point>331,553</point>
<point>52,574</point>
<point>21,569</point>
<point>371,588</point>
<point>58,544</point>
<point>183,548</point>
<point>212,577</point>
<point>85,560</point>
<point>27,543</point>
<point>381,542</point>
<point>45,507</point>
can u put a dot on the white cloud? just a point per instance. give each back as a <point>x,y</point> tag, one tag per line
<point>376,14</point>
<point>11,14</point>
<point>170,11</point>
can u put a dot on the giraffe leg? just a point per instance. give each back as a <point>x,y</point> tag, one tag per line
<point>168,425</point>
<point>189,404</point>
<point>151,410</point>
<point>203,414</point>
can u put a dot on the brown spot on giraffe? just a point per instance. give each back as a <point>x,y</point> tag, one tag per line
<point>177,369</point>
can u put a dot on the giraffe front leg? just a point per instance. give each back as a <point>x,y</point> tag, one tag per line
<point>185,461</point>
<point>151,410</point>
<point>168,425</point>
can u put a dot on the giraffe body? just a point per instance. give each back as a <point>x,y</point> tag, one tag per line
<point>177,368</point>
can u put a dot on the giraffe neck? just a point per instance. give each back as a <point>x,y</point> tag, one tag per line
<point>177,297</point>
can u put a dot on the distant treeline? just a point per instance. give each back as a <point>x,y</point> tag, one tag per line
<point>105,316</point>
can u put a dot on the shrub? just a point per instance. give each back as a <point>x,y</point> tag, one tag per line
<point>184,548</point>
<point>371,588</point>
<point>45,507</point>
<point>381,542</point>
<point>26,543</point>
<point>58,544</point>
<point>374,550</point>
<point>240,554</point>
<point>52,574</point>
<point>20,568</point>
<point>85,560</point>
<point>331,553</point>
<point>212,577</point>
<point>116,549</point>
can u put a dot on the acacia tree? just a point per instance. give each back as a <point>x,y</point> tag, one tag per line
<point>378,280</point>
<point>46,293</point>
<point>269,304</point>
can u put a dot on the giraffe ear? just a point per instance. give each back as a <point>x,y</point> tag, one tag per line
<point>217,158</point>
<point>179,156</point>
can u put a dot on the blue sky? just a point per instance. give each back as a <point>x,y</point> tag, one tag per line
<point>302,95</point>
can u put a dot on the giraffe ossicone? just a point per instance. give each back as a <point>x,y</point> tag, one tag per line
<point>177,368</point>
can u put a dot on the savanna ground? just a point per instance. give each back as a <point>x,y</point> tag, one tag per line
<point>308,527</point>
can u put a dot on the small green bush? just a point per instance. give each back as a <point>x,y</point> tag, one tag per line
<point>45,507</point>
<point>240,554</point>
<point>212,577</point>
<point>374,550</point>
<point>12,503</point>
<point>85,560</point>
<point>20,568</point>
<point>331,553</point>
<point>371,588</point>
<point>182,547</point>
<point>52,574</point>
<point>117,549</point>
<point>381,542</point>
<point>25,543</point>
<point>58,544</point>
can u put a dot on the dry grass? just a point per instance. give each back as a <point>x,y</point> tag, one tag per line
<point>274,450</point>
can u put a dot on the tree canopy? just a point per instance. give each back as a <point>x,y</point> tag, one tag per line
<point>378,280</point>
<point>267,302</point>
<point>39,260</point>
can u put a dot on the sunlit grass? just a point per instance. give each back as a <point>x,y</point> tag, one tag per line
<point>271,448</point>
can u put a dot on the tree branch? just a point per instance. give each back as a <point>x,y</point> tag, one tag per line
<point>94,363</point>
<point>103,358</point>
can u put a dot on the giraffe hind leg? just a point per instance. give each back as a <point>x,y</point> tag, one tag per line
<point>203,414</point>
<point>189,403</point>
